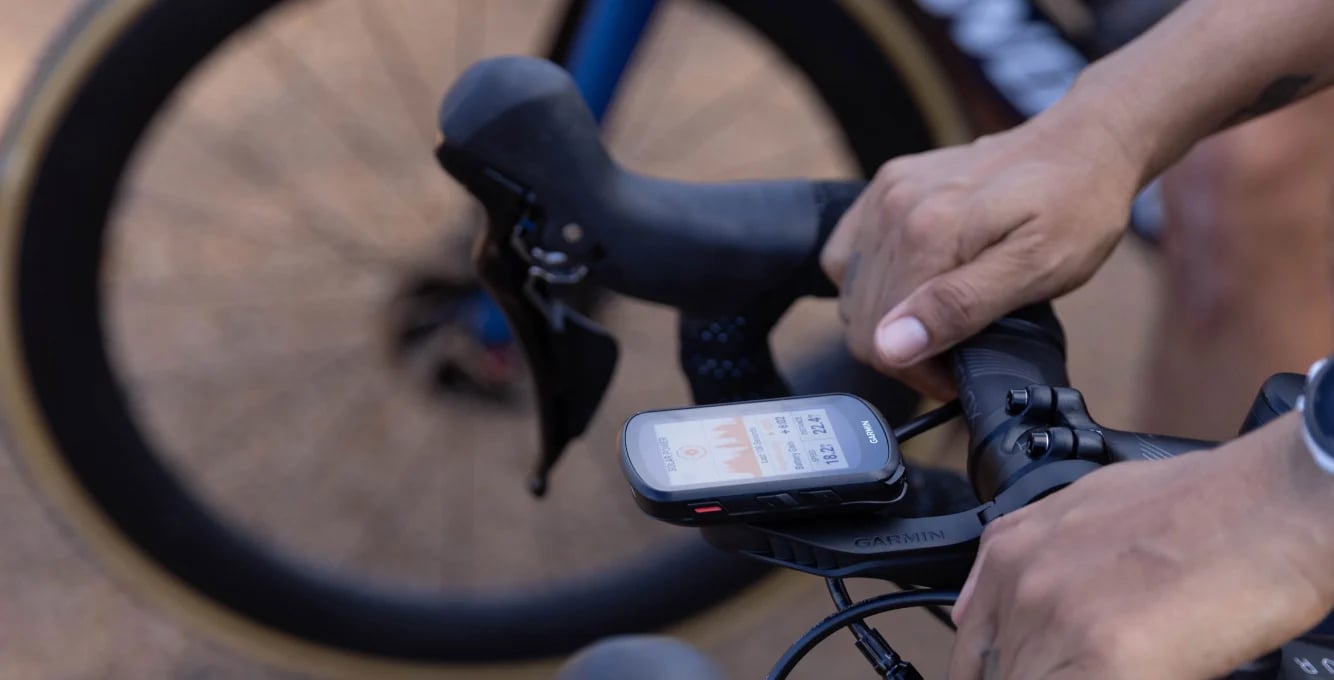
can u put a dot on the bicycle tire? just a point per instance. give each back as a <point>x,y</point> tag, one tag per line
<point>96,90</point>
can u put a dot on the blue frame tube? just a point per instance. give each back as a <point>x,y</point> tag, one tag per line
<point>609,31</point>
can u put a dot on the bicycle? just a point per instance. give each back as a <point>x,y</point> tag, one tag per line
<point>517,135</point>
<point>113,453</point>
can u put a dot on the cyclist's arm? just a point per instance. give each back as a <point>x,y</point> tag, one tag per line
<point>943,243</point>
<point>1184,568</point>
<point>1209,65</point>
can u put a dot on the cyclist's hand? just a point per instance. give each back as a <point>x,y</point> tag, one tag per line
<point>1176,569</point>
<point>943,243</point>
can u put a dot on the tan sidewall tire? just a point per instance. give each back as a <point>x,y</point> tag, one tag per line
<point>66,70</point>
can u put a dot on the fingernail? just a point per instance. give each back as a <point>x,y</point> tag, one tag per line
<point>901,340</point>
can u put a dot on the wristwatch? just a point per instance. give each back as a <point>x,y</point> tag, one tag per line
<point>1317,407</point>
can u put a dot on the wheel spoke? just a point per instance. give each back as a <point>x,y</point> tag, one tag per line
<point>384,523</point>
<point>361,142</point>
<point>795,156</point>
<point>192,213</point>
<point>256,169</point>
<point>256,365</point>
<point>711,119</point>
<point>403,72</point>
<point>469,34</point>
<point>267,286</point>
<point>240,420</point>
<point>458,518</point>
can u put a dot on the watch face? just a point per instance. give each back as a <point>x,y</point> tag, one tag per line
<point>1319,409</point>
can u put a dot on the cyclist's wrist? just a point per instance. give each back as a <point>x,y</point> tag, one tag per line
<point>1096,110</point>
<point>1304,492</point>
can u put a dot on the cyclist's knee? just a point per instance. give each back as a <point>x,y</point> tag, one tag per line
<point>1258,160</point>
<point>1250,206</point>
<point>643,657</point>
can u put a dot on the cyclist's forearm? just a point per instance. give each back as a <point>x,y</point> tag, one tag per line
<point>1210,65</point>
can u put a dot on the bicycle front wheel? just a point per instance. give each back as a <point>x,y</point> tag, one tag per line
<point>211,207</point>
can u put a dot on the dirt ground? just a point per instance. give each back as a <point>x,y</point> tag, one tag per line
<point>62,617</point>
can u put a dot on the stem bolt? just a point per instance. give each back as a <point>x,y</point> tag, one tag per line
<point>1016,401</point>
<point>1039,443</point>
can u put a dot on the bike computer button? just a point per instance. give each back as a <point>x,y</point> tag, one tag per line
<point>777,501</point>
<point>820,497</point>
<point>708,508</point>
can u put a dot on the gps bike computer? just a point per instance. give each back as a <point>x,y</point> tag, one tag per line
<point>754,460</point>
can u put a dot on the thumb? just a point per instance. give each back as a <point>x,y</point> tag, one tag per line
<point>952,307</point>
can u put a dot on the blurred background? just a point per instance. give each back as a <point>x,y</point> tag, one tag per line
<point>307,418</point>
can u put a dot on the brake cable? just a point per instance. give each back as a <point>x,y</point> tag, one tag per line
<point>855,614</point>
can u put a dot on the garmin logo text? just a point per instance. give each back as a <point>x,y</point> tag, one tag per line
<point>870,434</point>
<point>913,538</point>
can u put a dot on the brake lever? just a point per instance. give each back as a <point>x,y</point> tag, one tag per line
<point>925,551</point>
<point>571,357</point>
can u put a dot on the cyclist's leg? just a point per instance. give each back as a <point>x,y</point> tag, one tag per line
<point>643,657</point>
<point>1247,264</point>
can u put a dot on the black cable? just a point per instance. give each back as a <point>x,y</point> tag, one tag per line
<point>841,619</point>
<point>934,610</point>
<point>926,421</point>
<point>940,615</point>
<point>886,662</point>
<point>872,645</point>
<point>838,593</point>
<point>846,601</point>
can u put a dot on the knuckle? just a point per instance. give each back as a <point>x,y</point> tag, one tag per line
<point>1032,589</point>
<point>1003,525</point>
<point>1007,551</point>
<point>929,219</point>
<point>892,171</point>
<point>832,264</point>
<point>986,140</point>
<point>1036,254</point>
<point>1104,639</point>
<point>1008,547</point>
<point>1074,519</point>
<point>898,201</point>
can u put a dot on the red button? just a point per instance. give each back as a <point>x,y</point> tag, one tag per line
<point>704,509</point>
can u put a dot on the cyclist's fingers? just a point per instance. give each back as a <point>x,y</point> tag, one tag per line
<point>838,249</point>
<point>865,213</point>
<point>970,586</point>
<point>974,614</point>
<point>978,610</point>
<point>1006,528</point>
<point>973,648</point>
<point>953,306</point>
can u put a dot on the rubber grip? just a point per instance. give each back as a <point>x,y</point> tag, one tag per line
<point>1027,347</point>
<point>726,357</point>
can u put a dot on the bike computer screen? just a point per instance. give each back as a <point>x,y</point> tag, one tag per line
<point>779,456</point>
